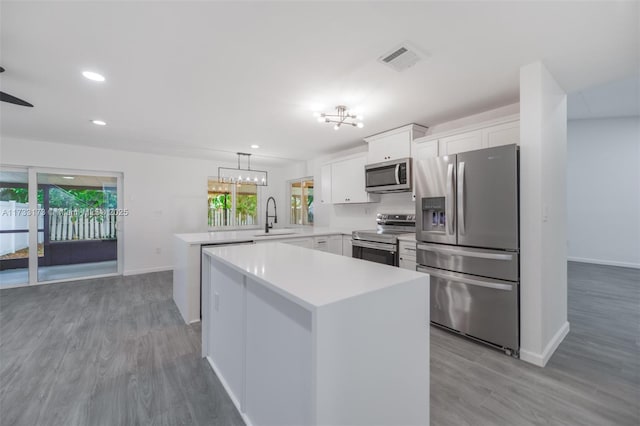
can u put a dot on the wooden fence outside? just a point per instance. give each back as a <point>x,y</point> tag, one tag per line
<point>81,224</point>
<point>216,218</point>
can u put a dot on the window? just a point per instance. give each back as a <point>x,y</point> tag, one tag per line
<point>232,205</point>
<point>301,204</point>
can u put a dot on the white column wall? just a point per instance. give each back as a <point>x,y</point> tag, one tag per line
<point>543,215</point>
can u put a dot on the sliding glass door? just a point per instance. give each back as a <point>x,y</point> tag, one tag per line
<point>14,227</point>
<point>77,219</point>
<point>80,237</point>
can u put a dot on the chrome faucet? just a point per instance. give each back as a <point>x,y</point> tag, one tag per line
<point>275,215</point>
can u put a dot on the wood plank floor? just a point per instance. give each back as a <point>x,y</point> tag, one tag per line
<point>592,379</point>
<point>115,351</point>
<point>111,351</point>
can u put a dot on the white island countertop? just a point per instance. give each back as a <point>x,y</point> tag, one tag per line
<point>238,236</point>
<point>326,277</point>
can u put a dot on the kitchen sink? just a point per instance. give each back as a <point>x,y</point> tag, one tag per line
<point>275,232</point>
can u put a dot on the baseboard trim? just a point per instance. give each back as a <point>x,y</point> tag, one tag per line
<point>541,359</point>
<point>605,262</point>
<point>225,385</point>
<point>147,270</point>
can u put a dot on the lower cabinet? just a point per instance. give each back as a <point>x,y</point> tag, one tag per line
<point>347,248</point>
<point>407,254</point>
<point>300,242</point>
<point>330,243</point>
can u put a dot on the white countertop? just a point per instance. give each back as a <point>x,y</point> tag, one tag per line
<point>310,278</point>
<point>222,237</point>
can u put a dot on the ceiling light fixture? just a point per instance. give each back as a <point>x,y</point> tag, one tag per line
<point>93,76</point>
<point>254,146</point>
<point>99,122</point>
<point>342,116</point>
<point>68,177</point>
<point>240,175</point>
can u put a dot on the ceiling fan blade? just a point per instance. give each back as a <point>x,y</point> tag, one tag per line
<point>5,97</point>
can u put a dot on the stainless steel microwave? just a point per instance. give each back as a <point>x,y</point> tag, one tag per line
<point>389,176</point>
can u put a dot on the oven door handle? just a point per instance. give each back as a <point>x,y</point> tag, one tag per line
<point>377,246</point>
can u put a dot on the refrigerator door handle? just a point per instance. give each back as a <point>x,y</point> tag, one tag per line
<point>459,252</point>
<point>449,201</point>
<point>461,224</point>
<point>397,174</point>
<point>470,281</point>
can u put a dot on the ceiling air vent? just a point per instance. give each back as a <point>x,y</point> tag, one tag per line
<point>401,57</point>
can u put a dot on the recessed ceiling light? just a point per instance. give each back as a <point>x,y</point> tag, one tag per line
<point>68,177</point>
<point>99,122</point>
<point>94,76</point>
<point>254,146</point>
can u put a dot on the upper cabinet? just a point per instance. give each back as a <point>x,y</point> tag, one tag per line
<point>423,148</point>
<point>468,141</point>
<point>347,182</point>
<point>393,144</point>
<point>325,184</point>
<point>481,136</point>
<point>502,134</point>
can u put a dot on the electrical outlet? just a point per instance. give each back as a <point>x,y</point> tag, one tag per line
<point>158,250</point>
<point>216,301</point>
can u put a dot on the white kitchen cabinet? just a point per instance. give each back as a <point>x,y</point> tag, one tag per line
<point>347,182</point>
<point>408,264</point>
<point>462,142</point>
<point>325,184</point>
<point>224,297</point>
<point>421,150</point>
<point>426,149</point>
<point>321,243</point>
<point>407,255</point>
<point>502,134</point>
<point>347,249</point>
<point>328,243</point>
<point>335,244</point>
<point>300,242</point>
<point>393,144</point>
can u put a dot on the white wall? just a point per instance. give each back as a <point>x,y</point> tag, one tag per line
<point>603,191</point>
<point>543,214</point>
<point>164,195</point>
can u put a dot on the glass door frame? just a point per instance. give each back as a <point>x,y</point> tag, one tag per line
<point>25,170</point>
<point>33,220</point>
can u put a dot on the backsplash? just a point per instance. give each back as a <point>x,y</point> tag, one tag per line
<point>363,216</point>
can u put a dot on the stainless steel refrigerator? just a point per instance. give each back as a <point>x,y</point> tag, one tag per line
<point>467,227</point>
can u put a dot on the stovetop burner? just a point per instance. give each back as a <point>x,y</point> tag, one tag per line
<point>389,227</point>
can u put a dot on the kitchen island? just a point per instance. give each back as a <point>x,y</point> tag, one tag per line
<point>304,337</point>
<point>187,257</point>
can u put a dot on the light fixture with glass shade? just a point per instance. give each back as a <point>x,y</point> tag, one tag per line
<point>342,117</point>
<point>246,176</point>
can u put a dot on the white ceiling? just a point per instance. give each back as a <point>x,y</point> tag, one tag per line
<point>197,78</point>
<point>620,98</point>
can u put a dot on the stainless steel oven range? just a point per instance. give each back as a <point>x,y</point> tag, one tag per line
<point>381,244</point>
